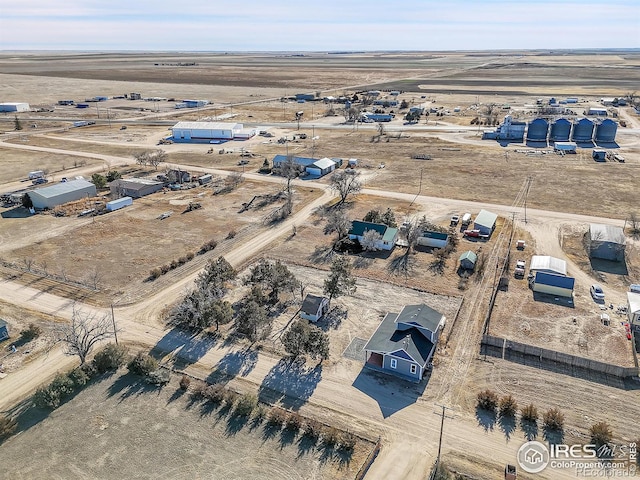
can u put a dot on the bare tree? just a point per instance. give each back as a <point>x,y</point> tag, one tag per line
<point>338,222</point>
<point>142,158</point>
<point>634,224</point>
<point>345,184</point>
<point>94,278</point>
<point>289,169</point>
<point>84,331</point>
<point>157,157</point>
<point>234,179</point>
<point>28,263</point>
<point>370,240</point>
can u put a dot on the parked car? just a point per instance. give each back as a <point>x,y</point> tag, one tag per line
<point>39,181</point>
<point>596,292</point>
<point>454,220</point>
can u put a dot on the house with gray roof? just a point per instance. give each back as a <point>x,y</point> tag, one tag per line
<point>388,235</point>
<point>404,343</point>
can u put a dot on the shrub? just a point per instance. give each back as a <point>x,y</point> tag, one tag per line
<point>529,413</point>
<point>142,364</point>
<point>8,426</point>
<point>600,433</point>
<point>488,400</point>
<point>294,422</point>
<point>231,234</point>
<point>331,436</point>
<point>164,269</point>
<point>553,419</point>
<point>31,332</point>
<point>79,377</point>
<point>245,405</point>
<point>508,406</point>
<point>46,397</point>
<point>185,382</point>
<point>210,245</point>
<point>190,256</point>
<point>277,417</point>
<point>111,357</point>
<point>230,397</point>
<point>214,393</point>
<point>174,264</point>
<point>89,369</point>
<point>259,413</point>
<point>182,260</point>
<point>155,273</point>
<point>312,429</point>
<point>199,390</point>
<point>62,384</point>
<point>347,441</point>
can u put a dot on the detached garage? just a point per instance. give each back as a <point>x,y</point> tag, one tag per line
<point>321,167</point>
<point>433,239</point>
<point>134,187</point>
<point>553,284</point>
<point>485,222</point>
<point>606,242</point>
<point>50,197</point>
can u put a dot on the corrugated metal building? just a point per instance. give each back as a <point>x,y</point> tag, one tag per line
<point>633,309</point>
<point>553,284</point>
<point>204,131</point>
<point>14,107</point>
<point>433,239</point>
<point>51,197</point>
<point>321,167</point>
<point>485,221</point>
<point>134,187</point>
<point>606,242</point>
<point>547,264</point>
<point>468,260</point>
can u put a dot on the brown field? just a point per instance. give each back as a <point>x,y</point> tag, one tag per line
<point>16,164</point>
<point>119,428</point>
<point>124,246</point>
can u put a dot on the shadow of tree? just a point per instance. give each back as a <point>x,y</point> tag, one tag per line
<point>553,436</point>
<point>239,362</point>
<point>401,264</point>
<point>176,395</point>
<point>235,423</point>
<point>129,385</point>
<point>486,419</point>
<point>290,383</point>
<point>362,262</point>
<point>333,318</point>
<point>287,437</point>
<point>306,445</point>
<point>530,429</point>
<point>507,425</point>
<point>270,431</point>
<point>321,254</point>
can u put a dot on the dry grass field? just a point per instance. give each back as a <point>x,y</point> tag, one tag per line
<point>121,428</point>
<point>125,245</point>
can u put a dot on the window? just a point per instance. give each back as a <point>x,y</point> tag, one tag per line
<point>414,369</point>
<point>394,363</point>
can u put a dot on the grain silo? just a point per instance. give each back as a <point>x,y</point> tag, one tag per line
<point>582,130</point>
<point>560,130</point>
<point>606,131</point>
<point>537,130</point>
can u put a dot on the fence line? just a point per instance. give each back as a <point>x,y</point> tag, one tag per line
<point>369,461</point>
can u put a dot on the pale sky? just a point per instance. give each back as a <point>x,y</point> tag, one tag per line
<point>327,25</point>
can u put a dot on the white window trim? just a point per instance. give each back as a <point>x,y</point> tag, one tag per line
<point>414,369</point>
<point>393,363</point>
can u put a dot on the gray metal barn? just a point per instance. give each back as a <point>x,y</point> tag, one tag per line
<point>560,130</point>
<point>134,187</point>
<point>606,242</point>
<point>50,197</point>
<point>485,221</point>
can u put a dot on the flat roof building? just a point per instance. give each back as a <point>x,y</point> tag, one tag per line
<point>205,131</point>
<point>134,187</point>
<point>14,107</point>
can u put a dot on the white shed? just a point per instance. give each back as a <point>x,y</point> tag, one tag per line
<point>547,264</point>
<point>205,131</point>
<point>633,309</point>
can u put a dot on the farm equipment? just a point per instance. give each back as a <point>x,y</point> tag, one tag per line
<point>192,206</point>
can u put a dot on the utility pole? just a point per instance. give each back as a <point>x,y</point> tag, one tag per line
<point>442,415</point>
<point>115,330</point>
<point>526,194</point>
